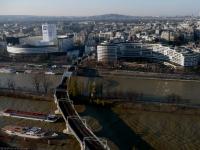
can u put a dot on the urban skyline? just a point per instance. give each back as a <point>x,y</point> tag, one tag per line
<point>96,7</point>
<point>99,74</point>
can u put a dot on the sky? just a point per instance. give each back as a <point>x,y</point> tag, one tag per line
<point>99,7</point>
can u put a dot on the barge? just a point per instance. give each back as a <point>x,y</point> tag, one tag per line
<point>29,115</point>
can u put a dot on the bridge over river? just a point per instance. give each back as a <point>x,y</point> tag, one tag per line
<point>75,125</point>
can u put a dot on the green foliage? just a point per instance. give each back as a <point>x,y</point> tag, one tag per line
<point>73,87</point>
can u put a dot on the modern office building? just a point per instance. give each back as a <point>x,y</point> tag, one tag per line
<point>134,50</point>
<point>168,36</point>
<point>65,43</point>
<point>30,49</point>
<point>180,56</point>
<point>3,47</point>
<point>49,32</point>
<point>49,42</point>
<point>107,52</point>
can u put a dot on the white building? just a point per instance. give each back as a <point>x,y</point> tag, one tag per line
<point>107,52</point>
<point>3,47</point>
<point>48,43</point>
<point>134,50</point>
<point>106,35</point>
<point>49,32</point>
<point>181,56</point>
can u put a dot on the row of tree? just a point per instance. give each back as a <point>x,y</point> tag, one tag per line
<point>93,90</point>
<point>9,83</point>
<point>40,82</point>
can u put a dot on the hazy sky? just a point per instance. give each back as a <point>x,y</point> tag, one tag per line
<point>97,7</point>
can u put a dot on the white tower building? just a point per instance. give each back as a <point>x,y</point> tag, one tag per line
<point>49,32</point>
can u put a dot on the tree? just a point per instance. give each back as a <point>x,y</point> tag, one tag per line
<point>100,90</point>
<point>81,88</point>
<point>11,84</point>
<point>73,87</point>
<point>36,80</point>
<point>89,88</point>
<point>92,90</point>
<point>46,83</point>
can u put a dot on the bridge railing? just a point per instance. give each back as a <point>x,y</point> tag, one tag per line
<point>94,139</point>
<point>102,142</point>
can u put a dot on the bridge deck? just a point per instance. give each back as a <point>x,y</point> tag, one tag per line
<point>74,121</point>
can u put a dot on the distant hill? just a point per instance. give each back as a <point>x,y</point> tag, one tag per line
<point>41,18</point>
<point>106,17</point>
<point>112,17</point>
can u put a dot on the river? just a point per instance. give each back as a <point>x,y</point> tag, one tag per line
<point>159,88</point>
<point>149,87</point>
<point>152,89</point>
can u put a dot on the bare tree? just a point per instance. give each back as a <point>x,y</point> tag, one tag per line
<point>36,80</point>
<point>46,83</point>
<point>11,84</point>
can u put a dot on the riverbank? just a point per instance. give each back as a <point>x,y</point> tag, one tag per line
<point>137,105</point>
<point>152,88</point>
<point>25,95</point>
<point>149,75</point>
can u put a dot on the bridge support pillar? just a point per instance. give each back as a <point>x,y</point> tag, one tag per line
<point>82,147</point>
<point>67,130</point>
<point>57,112</point>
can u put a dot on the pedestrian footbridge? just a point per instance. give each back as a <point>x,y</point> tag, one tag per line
<point>75,125</point>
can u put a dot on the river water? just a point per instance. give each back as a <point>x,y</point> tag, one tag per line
<point>158,88</point>
<point>64,142</point>
<point>150,88</point>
